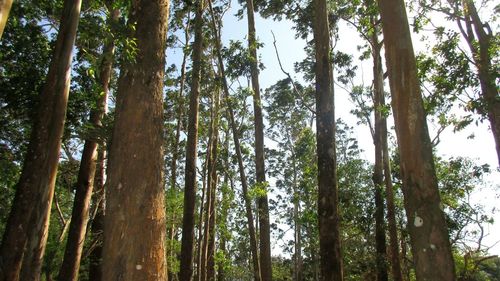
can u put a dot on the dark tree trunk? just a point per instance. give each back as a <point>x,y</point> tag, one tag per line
<point>187,243</point>
<point>260,171</point>
<point>426,222</point>
<point>85,182</point>
<point>237,147</point>
<point>328,214</point>
<point>25,235</point>
<point>134,224</point>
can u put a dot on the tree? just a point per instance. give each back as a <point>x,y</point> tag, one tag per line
<point>454,73</point>
<point>87,171</point>
<point>26,232</point>
<point>328,213</point>
<point>426,223</point>
<point>134,224</point>
<point>260,169</point>
<point>187,243</point>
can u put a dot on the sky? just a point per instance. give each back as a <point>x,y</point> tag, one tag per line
<point>481,147</point>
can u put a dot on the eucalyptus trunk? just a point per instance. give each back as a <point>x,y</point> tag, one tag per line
<point>25,236</point>
<point>378,175</point>
<point>85,182</point>
<point>426,221</point>
<point>260,170</point>
<point>187,243</point>
<point>134,224</point>
<point>97,227</point>
<point>237,147</point>
<point>328,213</point>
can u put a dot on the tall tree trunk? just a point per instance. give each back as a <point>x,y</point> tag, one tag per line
<point>97,227</point>
<point>25,235</point>
<point>479,35</point>
<point>134,224</point>
<point>328,214</point>
<point>381,129</point>
<point>260,171</point>
<point>85,182</point>
<point>5,6</point>
<point>187,243</point>
<point>378,178</point>
<point>296,218</point>
<point>426,222</point>
<point>395,256</point>
<point>172,231</point>
<point>237,147</point>
<point>212,181</point>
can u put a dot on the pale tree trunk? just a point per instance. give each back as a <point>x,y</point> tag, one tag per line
<point>134,224</point>
<point>25,235</point>
<point>187,242</point>
<point>426,222</point>
<point>378,177</point>
<point>237,147</point>
<point>5,6</point>
<point>260,171</point>
<point>85,182</point>
<point>328,213</point>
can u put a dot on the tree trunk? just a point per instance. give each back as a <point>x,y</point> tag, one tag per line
<point>296,218</point>
<point>97,227</point>
<point>25,235</point>
<point>212,184</point>
<point>260,172</point>
<point>426,222</point>
<point>328,214</point>
<point>134,224</point>
<point>237,147</point>
<point>172,231</point>
<point>85,182</point>
<point>187,243</point>
<point>378,180</point>
<point>5,6</point>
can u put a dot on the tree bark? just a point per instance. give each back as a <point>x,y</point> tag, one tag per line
<point>25,235</point>
<point>97,227</point>
<point>378,177</point>
<point>426,222</point>
<point>134,224</point>
<point>328,214</point>
<point>260,171</point>
<point>187,243</point>
<point>85,182</point>
<point>5,6</point>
